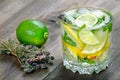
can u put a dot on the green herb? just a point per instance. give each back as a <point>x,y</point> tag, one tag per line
<point>30,57</point>
<point>69,40</point>
<point>100,20</point>
<point>108,27</point>
<point>87,60</point>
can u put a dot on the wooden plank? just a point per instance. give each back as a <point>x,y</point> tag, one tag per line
<point>11,9</point>
<point>34,10</point>
<point>61,73</point>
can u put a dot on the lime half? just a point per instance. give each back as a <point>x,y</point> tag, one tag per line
<point>88,19</point>
<point>87,37</point>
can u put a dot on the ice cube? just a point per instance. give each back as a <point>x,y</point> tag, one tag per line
<point>83,10</point>
<point>71,12</point>
<point>97,26</point>
<point>69,18</point>
<point>98,13</point>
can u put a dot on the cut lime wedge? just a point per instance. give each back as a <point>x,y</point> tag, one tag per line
<point>88,19</point>
<point>88,37</point>
<point>102,37</point>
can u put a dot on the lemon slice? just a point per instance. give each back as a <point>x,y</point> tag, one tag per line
<point>71,55</point>
<point>102,37</point>
<point>72,34</point>
<point>88,37</point>
<point>88,19</point>
<point>70,52</point>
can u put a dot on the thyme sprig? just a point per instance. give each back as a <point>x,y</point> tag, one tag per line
<point>30,57</point>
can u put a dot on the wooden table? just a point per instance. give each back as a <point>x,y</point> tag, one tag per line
<point>12,12</point>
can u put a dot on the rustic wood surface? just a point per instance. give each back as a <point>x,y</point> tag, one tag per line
<point>12,12</point>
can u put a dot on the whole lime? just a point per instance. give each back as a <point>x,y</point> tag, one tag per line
<point>32,32</point>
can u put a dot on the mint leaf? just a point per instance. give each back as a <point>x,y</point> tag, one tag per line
<point>87,60</point>
<point>69,40</point>
<point>108,27</point>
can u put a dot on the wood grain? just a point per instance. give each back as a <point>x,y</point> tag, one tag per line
<point>12,12</point>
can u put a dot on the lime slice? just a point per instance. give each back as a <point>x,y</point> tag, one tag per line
<point>102,37</point>
<point>88,19</point>
<point>88,37</point>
